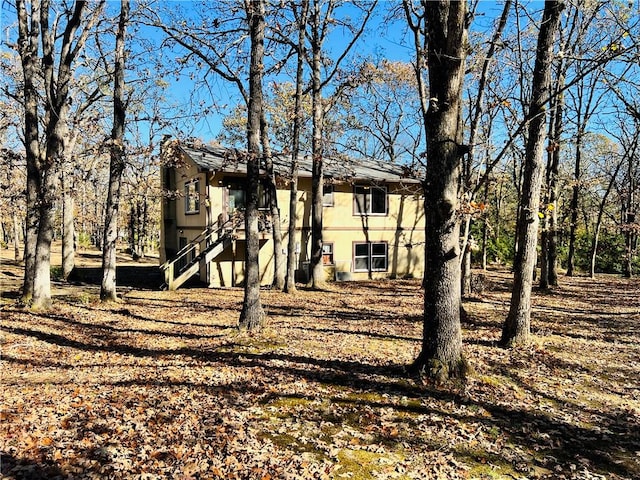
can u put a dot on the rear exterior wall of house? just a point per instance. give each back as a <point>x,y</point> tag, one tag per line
<point>369,230</point>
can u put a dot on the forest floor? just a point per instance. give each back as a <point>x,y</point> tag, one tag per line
<point>162,385</point>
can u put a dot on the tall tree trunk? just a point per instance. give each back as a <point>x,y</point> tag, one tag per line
<point>465,260</point>
<point>68,229</point>
<point>549,235</point>
<point>252,314</point>
<point>316,268</point>
<point>117,163</point>
<point>292,251</point>
<point>575,198</point>
<point>42,274</point>
<point>16,235</point>
<point>478,111</point>
<point>274,209</point>
<point>446,29</point>
<point>629,219</point>
<point>517,326</point>
<point>28,41</point>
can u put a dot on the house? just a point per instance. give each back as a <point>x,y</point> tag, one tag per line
<point>373,217</point>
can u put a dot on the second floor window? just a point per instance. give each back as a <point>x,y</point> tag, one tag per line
<point>237,195</point>
<point>327,195</point>
<point>369,200</point>
<point>192,196</point>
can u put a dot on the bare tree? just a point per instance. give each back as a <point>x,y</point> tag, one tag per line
<point>252,315</point>
<point>443,26</point>
<point>60,41</point>
<point>517,326</point>
<point>117,163</point>
<point>320,22</point>
<point>301,17</point>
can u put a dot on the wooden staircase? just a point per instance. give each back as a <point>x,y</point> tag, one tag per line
<point>200,251</point>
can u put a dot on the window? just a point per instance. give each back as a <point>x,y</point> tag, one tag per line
<point>370,256</point>
<point>327,253</point>
<point>237,195</point>
<point>369,200</point>
<point>192,196</point>
<point>327,195</point>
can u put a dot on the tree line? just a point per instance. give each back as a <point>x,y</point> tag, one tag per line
<point>522,122</point>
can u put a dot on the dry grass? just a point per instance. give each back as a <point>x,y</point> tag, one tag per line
<point>161,385</point>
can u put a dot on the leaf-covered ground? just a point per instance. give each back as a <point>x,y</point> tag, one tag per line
<point>161,385</point>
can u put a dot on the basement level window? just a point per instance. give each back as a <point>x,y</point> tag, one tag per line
<point>327,253</point>
<point>370,256</point>
<point>192,197</point>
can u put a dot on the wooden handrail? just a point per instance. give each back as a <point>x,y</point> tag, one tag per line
<point>230,225</point>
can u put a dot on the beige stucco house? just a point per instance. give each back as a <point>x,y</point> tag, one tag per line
<point>373,218</point>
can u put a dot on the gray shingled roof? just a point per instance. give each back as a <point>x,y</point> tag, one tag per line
<point>228,160</point>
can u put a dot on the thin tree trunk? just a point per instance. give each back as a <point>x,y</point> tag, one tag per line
<point>556,123</point>
<point>316,267</point>
<point>252,314</point>
<point>16,236</point>
<point>290,285</point>
<point>117,164</point>
<point>517,327</point>
<point>575,198</point>
<point>68,230</point>
<point>465,263</point>
<point>629,218</point>
<point>276,224</point>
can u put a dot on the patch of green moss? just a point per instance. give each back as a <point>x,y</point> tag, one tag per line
<point>363,465</point>
<point>289,442</point>
<point>289,403</point>
<point>483,464</point>
<point>261,343</point>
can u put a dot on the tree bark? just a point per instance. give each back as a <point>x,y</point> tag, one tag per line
<point>628,220</point>
<point>68,229</point>
<point>575,199</point>
<point>316,268</point>
<point>517,326</point>
<point>549,235</point>
<point>446,28</point>
<point>274,209</point>
<point>252,314</point>
<point>117,163</point>
<point>28,40</point>
<point>292,253</point>
<point>16,236</point>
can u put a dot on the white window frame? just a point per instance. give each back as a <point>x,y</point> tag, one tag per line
<point>192,194</point>
<point>370,256</point>
<point>327,195</point>
<point>366,192</point>
<point>329,245</point>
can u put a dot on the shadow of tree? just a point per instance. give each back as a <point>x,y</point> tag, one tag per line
<point>530,429</point>
<point>27,469</point>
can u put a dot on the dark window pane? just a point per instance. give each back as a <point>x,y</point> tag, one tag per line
<point>378,200</point>
<point>378,249</point>
<point>362,250</point>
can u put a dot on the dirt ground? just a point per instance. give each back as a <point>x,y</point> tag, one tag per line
<point>162,385</point>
